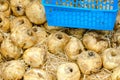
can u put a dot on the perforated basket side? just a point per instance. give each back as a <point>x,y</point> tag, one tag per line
<point>85,4</point>
<point>76,18</point>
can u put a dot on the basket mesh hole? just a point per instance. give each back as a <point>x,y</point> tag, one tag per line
<point>92,0</point>
<point>111,7</point>
<point>64,4</point>
<point>74,0</point>
<point>46,2</point>
<point>107,7</point>
<point>101,6</point>
<point>82,0</point>
<point>96,1</point>
<point>70,3</point>
<point>78,4</point>
<point>96,7</point>
<point>111,2</point>
<point>90,4</point>
<point>100,0</point>
<point>56,2</point>
<point>93,6</point>
<point>89,1</point>
<point>74,5</point>
<point>104,1</point>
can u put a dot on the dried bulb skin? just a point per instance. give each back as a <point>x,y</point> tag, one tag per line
<point>104,74</point>
<point>5,8</point>
<point>117,24</point>
<point>89,62</point>
<point>57,41</point>
<point>68,71</point>
<point>111,58</point>
<point>13,70</point>
<point>92,38</point>
<point>3,5</point>
<point>118,48</point>
<point>1,78</point>
<point>1,64</point>
<point>73,48</point>
<point>36,13</point>
<point>4,23</point>
<point>24,37</point>
<point>8,0</point>
<point>9,50</point>
<point>35,57</point>
<point>103,32</point>
<point>116,74</point>
<point>0,58</point>
<point>41,34</point>
<point>116,37</point>
<point>51,28</point>
<point>78,33</point>
<point>37,74</point>
<point>18,6</point>
<point>20,21</point>
<point>1,37</point>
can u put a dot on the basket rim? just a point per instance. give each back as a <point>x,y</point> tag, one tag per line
<point>50,5</point>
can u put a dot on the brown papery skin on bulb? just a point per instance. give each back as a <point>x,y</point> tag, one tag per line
<point>36,13</point>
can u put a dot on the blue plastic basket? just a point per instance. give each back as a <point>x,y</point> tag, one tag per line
<point>88,14</point>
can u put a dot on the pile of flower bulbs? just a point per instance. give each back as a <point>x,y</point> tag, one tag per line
<point>32,50</point>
